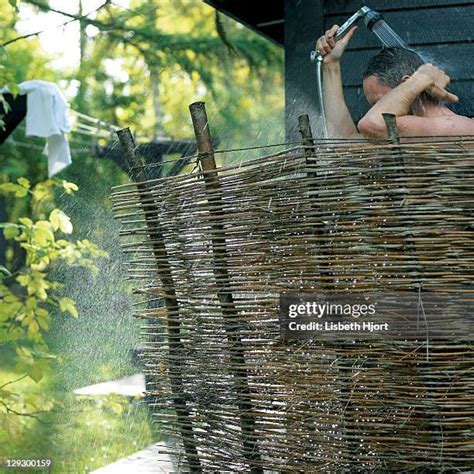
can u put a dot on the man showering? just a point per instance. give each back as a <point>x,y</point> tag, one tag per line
<point>396,81</point>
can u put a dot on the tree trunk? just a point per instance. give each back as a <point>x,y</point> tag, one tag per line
<point>155,86</point>
<point>3,241</point>
<point>157,105</point>
<point>82,74</point>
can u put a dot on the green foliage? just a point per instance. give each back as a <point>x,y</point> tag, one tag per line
<point>29,296</point>
<point>169,53</point>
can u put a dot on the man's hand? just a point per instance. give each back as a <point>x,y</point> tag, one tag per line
<point>331,50</point>
<point>436,81</point>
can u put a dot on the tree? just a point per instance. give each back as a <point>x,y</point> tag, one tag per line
<point>169,50</point>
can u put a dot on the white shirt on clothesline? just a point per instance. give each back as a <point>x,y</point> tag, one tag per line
<point>47,116</point>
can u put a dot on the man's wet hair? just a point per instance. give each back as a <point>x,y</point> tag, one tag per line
<point>391,64</point>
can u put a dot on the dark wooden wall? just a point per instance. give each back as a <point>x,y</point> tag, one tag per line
<point>442,30</point>
<point>302,19</point>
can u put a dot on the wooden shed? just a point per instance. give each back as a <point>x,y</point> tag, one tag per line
<point>440,29</point>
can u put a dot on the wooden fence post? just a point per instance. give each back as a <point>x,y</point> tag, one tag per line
<point>304,127</point>
<point>391,124</point>
<point>321,229</point>
<point>139,176</point>
<point>226,299</point>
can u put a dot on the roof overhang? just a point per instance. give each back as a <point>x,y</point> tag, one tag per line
<point>269,21</point>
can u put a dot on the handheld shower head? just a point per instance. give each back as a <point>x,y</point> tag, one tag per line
<point>346,26</point>
<point>374,22</point>
<point>371,18</point>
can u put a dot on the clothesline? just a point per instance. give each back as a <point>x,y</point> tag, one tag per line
<point>77,141</point>
<point>87,130</point>
<point>74,142</point>
<point>82,125</point>
<point>91,132</point>
<point>32,146</point>
<point>99,123</point>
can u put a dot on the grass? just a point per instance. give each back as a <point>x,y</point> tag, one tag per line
<point>80,434</point>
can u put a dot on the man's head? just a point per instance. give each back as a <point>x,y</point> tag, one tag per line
<point>388,69</point>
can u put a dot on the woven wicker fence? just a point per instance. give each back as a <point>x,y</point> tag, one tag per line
<point>214,249</point>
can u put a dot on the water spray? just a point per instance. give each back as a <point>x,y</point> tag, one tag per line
<point>375,23</point>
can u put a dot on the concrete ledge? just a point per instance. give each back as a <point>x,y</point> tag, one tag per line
<point>151,460</point>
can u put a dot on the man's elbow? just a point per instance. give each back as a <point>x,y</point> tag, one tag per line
<point>372,127</point>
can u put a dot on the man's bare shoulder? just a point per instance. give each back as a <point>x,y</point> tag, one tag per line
<point>449,125</point>
<point>455,124</point>
<point>462,130</point>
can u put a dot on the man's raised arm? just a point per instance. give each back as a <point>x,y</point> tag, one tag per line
<point>338,117</point>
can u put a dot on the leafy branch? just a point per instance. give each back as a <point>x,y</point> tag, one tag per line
<point>36,33</point>
<point>255,50</point>
<point>29,296</point>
